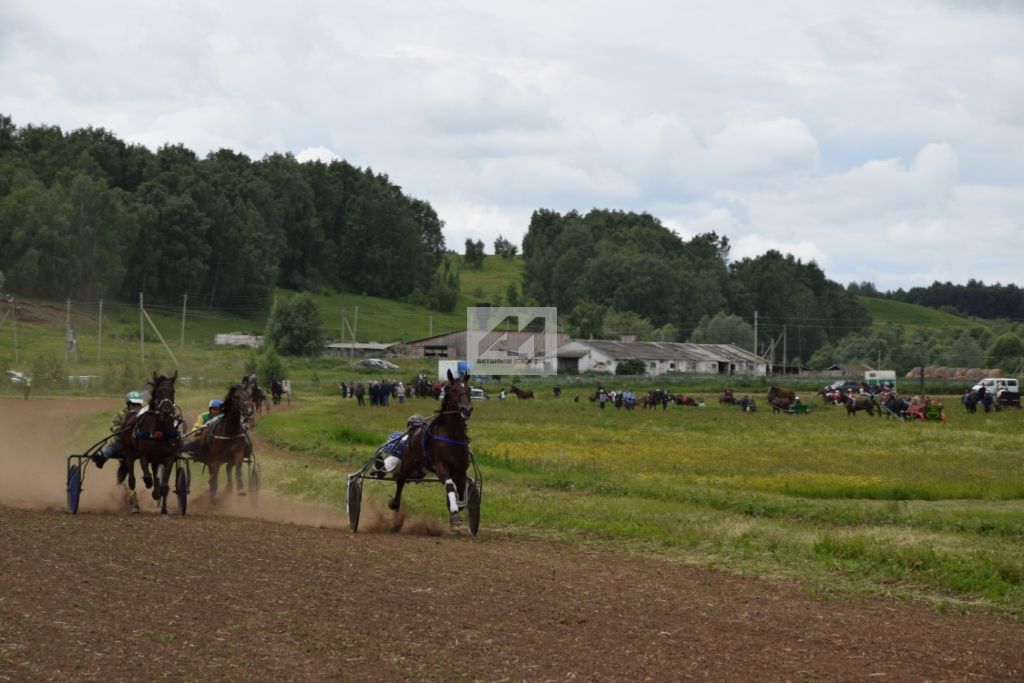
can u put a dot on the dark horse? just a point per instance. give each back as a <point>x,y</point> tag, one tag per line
<point>780,399</point>
<point>440,445</point>
<point>154,441</point>
<point>521,393</point>
<point>276,390</point>
<point>859,402</point>
<point>258,397</point>
<point>225,439</point>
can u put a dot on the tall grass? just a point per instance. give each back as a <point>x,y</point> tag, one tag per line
<point>934,509</point>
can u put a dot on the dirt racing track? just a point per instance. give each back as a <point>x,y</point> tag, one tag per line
<point>106,596</point>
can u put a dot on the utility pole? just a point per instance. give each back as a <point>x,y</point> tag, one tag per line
<point>785,349</point>
<point>355,326</point>
<point>755,339</point>
<point>99,335</point>
<point>14,324</point>
<point>921,341</point>
<point>184,309</point>
<point>430,326</point>
<point>142,333</point>
<point>69,339</point>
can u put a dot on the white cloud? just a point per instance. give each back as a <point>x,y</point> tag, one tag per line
<point>883,140</point>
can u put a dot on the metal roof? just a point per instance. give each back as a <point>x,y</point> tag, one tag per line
<point>620,350</point>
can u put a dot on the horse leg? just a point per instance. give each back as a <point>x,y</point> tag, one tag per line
<point>214,471</point>
<point>147,477</point>
<point>165,487</point>
<point>451,492</point>
<point>238,476</point>
<point>228,466</point>
<point>395,502</point>
<point>133,499</point>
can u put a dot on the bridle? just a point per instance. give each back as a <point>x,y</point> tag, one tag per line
<point>463,410</point>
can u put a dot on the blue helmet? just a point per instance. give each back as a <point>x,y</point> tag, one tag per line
<point>216,403</point>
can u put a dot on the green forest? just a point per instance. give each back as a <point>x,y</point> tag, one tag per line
<point>85,215</point>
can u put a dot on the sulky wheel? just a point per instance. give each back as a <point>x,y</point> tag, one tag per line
<point>473,496</point>
<point>74,487</point>
<point>181,484</point>
<point>254,485</point>
<point>354,501</point>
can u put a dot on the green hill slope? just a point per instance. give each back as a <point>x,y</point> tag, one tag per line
<point>884,311</point>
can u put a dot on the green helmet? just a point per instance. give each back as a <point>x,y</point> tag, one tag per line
<point>134,397</point>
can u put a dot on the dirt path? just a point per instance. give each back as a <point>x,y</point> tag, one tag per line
<point>112,597</point>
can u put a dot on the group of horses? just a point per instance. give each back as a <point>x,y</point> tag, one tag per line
<point>153,436</point>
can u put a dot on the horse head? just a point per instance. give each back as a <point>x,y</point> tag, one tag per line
<point>161,399</point>
<point>457,398</point>
<point>239,402</point>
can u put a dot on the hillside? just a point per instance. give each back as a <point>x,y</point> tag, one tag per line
<point>884,311</point>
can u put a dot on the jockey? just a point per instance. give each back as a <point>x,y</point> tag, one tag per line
<point>133,402</point>
<point>198,427</point>
<point>396,447</point>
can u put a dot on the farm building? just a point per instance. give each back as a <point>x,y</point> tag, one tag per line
<point>358,349</point>
<point>453,344</point>
<point>253,341</point>
<point>660,358</point>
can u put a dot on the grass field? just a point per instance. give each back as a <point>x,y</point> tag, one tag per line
<point>884,311</point>
<point>931,510</point>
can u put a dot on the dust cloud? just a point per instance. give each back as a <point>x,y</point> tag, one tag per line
<point>36,437</point>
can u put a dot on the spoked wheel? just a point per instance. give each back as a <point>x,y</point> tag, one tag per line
<point>254,484</point>
<point>473,496</point>
<point>181,485</point>
<point>74,487</point>
<point>354,501</point>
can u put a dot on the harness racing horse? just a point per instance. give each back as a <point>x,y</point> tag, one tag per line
<point>276,391</point>
<point>780,399</point>
<point>441,446</point>
<point>225,440</point>
<point>859,402</point>
<point>521,393</point>
<point>154,441</point>
<point>258,397</point>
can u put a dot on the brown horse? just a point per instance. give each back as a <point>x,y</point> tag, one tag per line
<point>780,399</point>
<point>521,393</point>
<point>154,441</point>
<point>440,445</point>
<point>859,402</point>
<point>225,439</point>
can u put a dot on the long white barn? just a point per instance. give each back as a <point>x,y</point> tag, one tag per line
<point>591,355</point>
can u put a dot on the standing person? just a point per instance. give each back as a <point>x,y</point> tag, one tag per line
<point>360,391</point>
<point>602,397</point>
<point>400,392</point>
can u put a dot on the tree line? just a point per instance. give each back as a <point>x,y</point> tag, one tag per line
<point>83,213</point>
<point>627,270</point>
<point>974,299</point>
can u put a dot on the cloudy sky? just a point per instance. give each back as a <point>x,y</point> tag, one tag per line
<point>884,140</point>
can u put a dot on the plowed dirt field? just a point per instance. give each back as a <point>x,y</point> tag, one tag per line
<point>107,596</point>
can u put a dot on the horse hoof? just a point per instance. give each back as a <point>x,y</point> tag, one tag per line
<point>242,493</point>
<point>392,504</point>
<point>155,494</point>
<point>134,510</point>
<point>148,481</point>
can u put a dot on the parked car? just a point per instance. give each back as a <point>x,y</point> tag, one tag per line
<point>477,394</point>
<point>1005,390</point>
<point>378,363</point>
<point>15,376</point>
<point>843,386</point>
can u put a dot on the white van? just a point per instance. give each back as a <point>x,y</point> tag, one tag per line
<point>880,378</point>
<point>1006,390</point>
